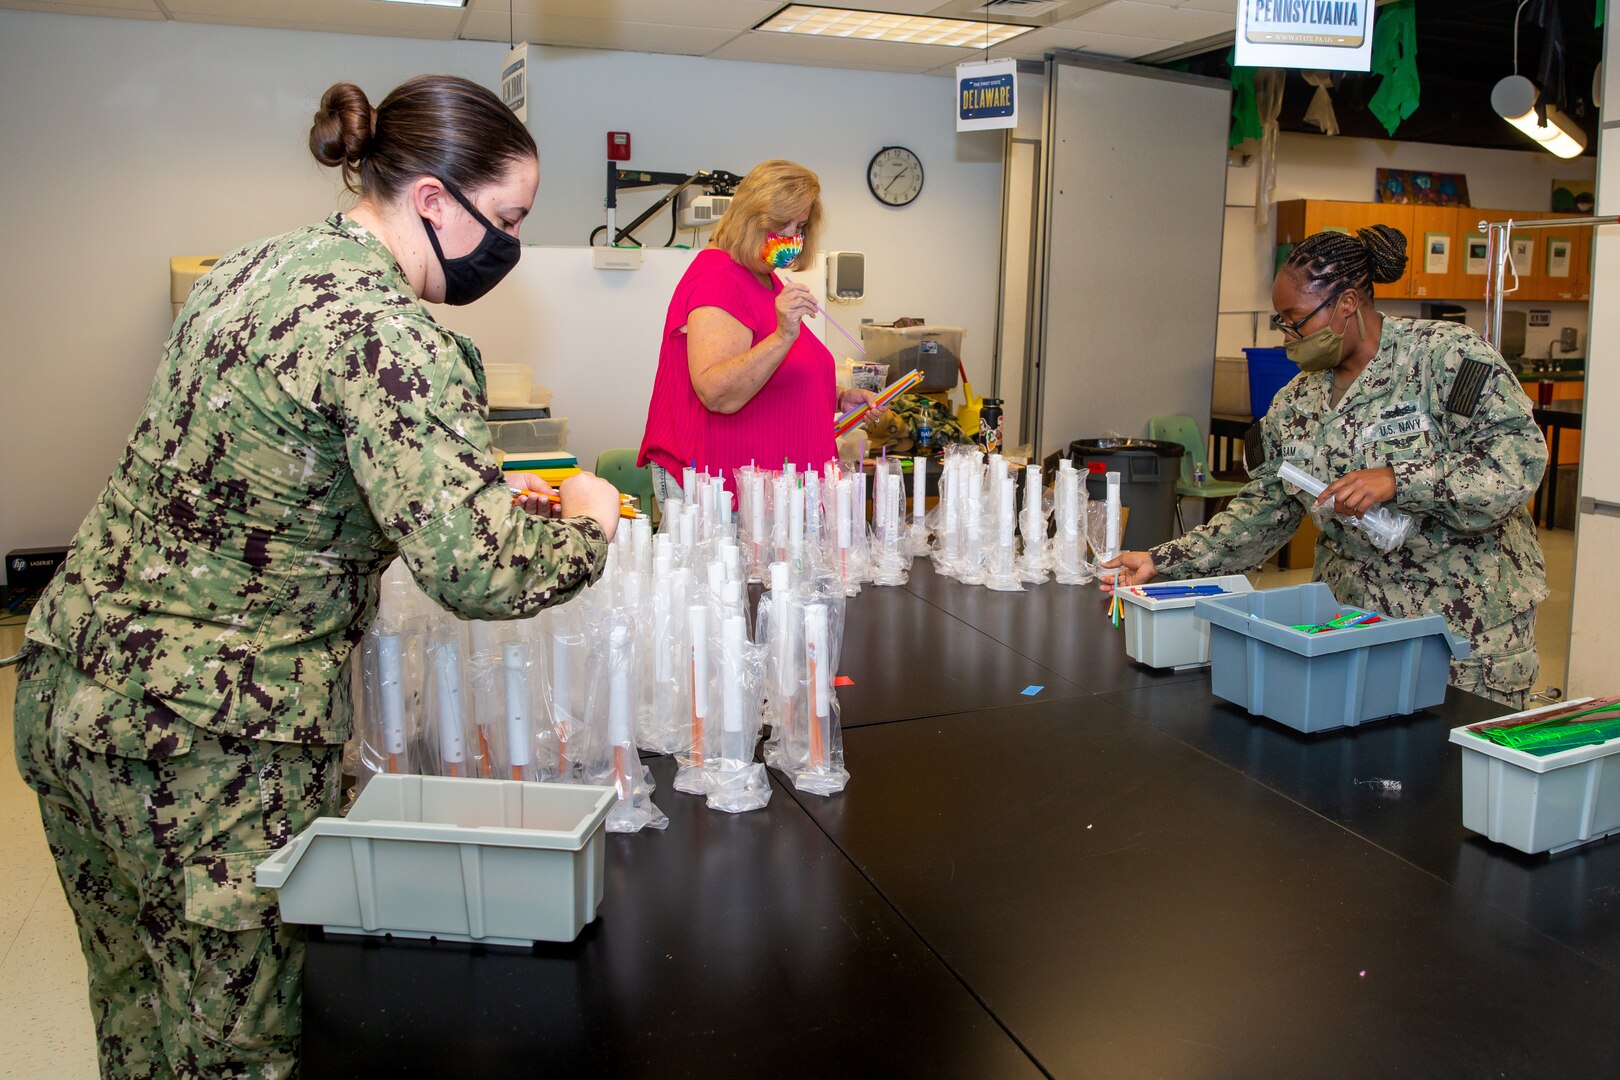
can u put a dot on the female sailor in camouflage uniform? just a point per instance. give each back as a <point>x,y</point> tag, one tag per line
<point>1423,415</point>
<point>181,707</point>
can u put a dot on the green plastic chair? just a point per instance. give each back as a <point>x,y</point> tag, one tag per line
<point>1184,430</point>
<point>618,467</point>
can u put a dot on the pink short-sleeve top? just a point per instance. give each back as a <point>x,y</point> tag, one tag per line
<point>789,419</point>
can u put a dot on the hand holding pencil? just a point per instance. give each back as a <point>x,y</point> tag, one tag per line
<point>582,495</point>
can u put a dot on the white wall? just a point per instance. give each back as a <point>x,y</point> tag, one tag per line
<point>1594,638</point>
<point>1318,167</point>
<point>129,141</point>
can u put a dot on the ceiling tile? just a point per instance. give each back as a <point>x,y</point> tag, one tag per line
<point>1118,46</point>
<point>716,14</point>
<point>119,9</point>
<point>1147,20</point>
<point>598,33</point>
<point>872,55</point>
<point>343,16</point>
<point>1227,7</point>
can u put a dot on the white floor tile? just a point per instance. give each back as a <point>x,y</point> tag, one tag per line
<point>44,1014</point>
<point>46,956</point>
<point>18,895</point>
<point>51,1029</point>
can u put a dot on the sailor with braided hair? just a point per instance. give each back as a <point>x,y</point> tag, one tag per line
<point>1422,415</point>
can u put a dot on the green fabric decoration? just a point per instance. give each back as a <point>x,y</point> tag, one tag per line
<point>1601,4</point>
<point>1394,57</point>
<point>1245,112</point>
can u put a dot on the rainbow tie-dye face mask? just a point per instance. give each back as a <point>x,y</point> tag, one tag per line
<point>780,251</point>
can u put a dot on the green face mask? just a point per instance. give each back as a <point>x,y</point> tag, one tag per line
<point>1321,350</point>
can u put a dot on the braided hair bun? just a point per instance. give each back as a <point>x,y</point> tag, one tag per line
<point>343,127</point>
<point>1386,252</point>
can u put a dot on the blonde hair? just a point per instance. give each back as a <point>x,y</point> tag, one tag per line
<point>770,197</point>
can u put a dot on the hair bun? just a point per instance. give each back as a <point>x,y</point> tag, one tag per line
<point>343,126</point>
<point>1386,252</point>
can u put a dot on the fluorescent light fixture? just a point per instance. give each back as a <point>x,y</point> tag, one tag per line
<point>831,22</point>
<point>1514,99</point>
<point>430,3</point>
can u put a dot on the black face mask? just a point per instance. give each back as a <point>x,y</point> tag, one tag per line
<point>480,270</point>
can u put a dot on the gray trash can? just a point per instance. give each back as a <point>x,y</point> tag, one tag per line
<point>1148,470</point>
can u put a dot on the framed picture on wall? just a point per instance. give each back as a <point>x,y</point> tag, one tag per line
<point>1437,253</point>
<point>1476,254</point>
<point>1422,188</point>
<point>1558,257</point>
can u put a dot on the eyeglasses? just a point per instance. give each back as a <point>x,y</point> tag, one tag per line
<point>1291,329</point>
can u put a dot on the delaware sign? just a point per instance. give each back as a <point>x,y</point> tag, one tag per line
<point>1331,35</point>
<point>987,95</point>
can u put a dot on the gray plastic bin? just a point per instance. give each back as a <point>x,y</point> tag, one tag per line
<point>1539,802</point>
<point>499,862</point>
<point>1148,470</point>
<point>1167,633</point>
<point>1314,682</point>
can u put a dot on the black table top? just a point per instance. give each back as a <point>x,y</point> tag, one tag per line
<point>1566,413</point>
<point>1116,876</point>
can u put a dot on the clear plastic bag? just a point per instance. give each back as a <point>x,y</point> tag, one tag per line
<point>612,759</point>
<point>1034,560</point>
<point>733,781</point>
<point>1071,511</point>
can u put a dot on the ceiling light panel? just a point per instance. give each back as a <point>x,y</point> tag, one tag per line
<point>825,22</point>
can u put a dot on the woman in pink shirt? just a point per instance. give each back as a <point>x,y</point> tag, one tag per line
<point>738,381</point>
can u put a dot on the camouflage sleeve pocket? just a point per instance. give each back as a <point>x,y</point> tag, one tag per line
<point>220,891</point>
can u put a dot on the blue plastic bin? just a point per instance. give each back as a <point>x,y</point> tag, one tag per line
<point>1269,371</point>
<point>1315,682</point>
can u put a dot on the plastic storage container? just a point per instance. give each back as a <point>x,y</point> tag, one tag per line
<point>529,436</point>
<point>499,862</point>
<point>1539,802</point>
<point>934,350</point>
<point>1167,632</point>
<point>1148,470</point>
<point>1314,682</point>
<point>1269,371</point>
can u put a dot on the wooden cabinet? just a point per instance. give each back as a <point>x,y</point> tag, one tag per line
<point>1445,243</point>
<point>1435,251</point>
<point>1299,218</point>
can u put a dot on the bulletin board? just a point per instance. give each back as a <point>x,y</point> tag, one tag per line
<point>1131,215</point>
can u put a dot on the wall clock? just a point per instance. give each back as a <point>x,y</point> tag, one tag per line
<point>895,176</point>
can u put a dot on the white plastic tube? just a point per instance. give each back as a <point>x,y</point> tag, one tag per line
<point>812,503</point>
<point>782,627</point>
<point>919,485</point>
<point>1111,538</point>
<point>1385,528</point>
<point>796,517</point>
<point>391,691</point>
<point>820,672</point>
<point>562,700</point>
<point>447,677</point>
<point>780,512</point>
<point>620,734</point>
<point>514,668</point>
<point>756,507</point>
<point>663,601</point>
<point>732,635</point>
<point>1007,517</point>
<point>698,626</point>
